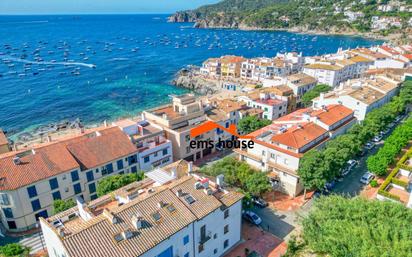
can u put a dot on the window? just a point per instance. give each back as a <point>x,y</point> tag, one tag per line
<point>92,188</point>
<point>11,224</point>
<point>201,248</point>
<point>134,169</point>
<point>4,199</point>
<point>188,149</point>
<point>186,240</point>
<point>226,243</point>
<point>75,175</point>
<point>186,255</point>
<point>53,183</point>
<point>93,197</point>
<point>8,213</point>
<point>187,138</point>
<point>226,213</point>
<point>36,205</point>
<point>109,168</point>
<point>56,195</point>
<point>286,161</point>
<point>42,214</point>
<point>77,188</point>
<point>215,251</point>
<point>146,159</point>
<point>155,154</point>
<point>132,159</point>
<point>226,229</point>
<point>120,164</point>
<point>32,191</point>
<point>164,151</point>
<point>90,176</point>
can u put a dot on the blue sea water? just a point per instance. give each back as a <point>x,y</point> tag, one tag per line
<point>47,74</point>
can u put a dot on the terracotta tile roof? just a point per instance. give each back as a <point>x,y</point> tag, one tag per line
<point>112,144</point>
<point>203,205</point>
<point>59,157</point>
<point>333,114</point>
<point>389,50</point>
<point>97,236</point>
<point>299,136</point>
<point>3,139</point>
<point>408,56</point>
<point>45,162</point>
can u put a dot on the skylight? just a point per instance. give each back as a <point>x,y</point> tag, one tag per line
<point>189,199</point>
<point>171,208</point>
<point>156,216</point>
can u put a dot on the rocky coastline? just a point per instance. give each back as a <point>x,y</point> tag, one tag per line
<point>188,78</point>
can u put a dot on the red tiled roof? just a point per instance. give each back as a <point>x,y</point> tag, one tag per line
<point>98,150</point>
<point>389,50</point>
<point>63,156</point>
<point>299,136</point>
<point>408,56</point>
<point>333,114</point>
<point>46,162</point>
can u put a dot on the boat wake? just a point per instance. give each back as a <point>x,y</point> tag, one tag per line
<point>9,58</point>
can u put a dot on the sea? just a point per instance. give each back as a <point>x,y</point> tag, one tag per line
<point>103,67</point>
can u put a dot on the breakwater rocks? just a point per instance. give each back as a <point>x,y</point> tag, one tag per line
<point>188,79</point>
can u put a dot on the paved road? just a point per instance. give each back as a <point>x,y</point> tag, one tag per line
<point>35,242</point>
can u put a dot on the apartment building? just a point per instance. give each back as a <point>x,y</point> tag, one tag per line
<point>264,68</point>
<point>225,112</point>
<point>177,119</point>
<point>168,214</point>
<point>273,106</point>
<point>4,143</point>
<point>300,83</point>
<point>31,179</point>
<point>279,147</point>
<point>361,95</point>
<point>153,148</point>
<point>211,67</point>
<point>380,59</point>
<point>231,65</point>
<point>295,60</point>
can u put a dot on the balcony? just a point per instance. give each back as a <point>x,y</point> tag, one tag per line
<point>205,238</point>
<point>152,143</point>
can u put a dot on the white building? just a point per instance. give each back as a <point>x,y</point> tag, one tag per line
<point>31,179</point>
<point>272,105</point>
<point>360,95</point>
<point>153,148</point>
<point>279,147</point>
<point>300,83</point>
<point>166,215</point>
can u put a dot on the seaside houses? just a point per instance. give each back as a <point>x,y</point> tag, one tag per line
<point>266,99</point>
<point>300,83</point>
<point>177,119</point>
<point>380,60</point>
<point>31,179</point>
<point>170,213</point>
<point>280,146</point>
<point>264,68</point>
<point>360,95</point>
<point>153,148</point>
<point>228,66</point>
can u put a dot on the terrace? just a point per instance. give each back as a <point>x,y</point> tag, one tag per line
<point>398,185</point>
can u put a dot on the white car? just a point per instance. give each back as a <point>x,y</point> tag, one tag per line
<point>370,145</point>
<point>252,217</point>
<point>352,163</point>
<point>377,138</point>
<point>367,178</point>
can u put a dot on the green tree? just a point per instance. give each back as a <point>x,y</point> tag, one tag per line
<point>313,93</point>
<point>62,205</point>
<point>111,183</point>
<point>313,170</point>
<point>14,250</point>
<point>258,183</point>
<point>338,226</point>
<point>252,123</point>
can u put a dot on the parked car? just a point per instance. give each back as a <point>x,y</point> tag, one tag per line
<point>252,217</point>
<point>386,131</point>
<point>259,202</point>
<point>369,146</point>
<point>391,125</point>
<point>377,138</point>
<point>352,164</point>
<point>330,185</point>
<point>345,171</point>
<point>367,178</point>
<point>399,118</point>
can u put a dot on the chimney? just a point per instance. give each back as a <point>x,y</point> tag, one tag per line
<point>49,138</point>
<point>110,216</point>
<point>14,147</point>
<point>60,231</point>
<point>174,172</point>
<point>140,130</point>
<point>322,96</point>
<point>190,167</point>
<point>17,160</point>
<point>220,180</point>
<point>179,193</point>
<point>105,123</point>
<point>160,204</point>
<point>137,221</point>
